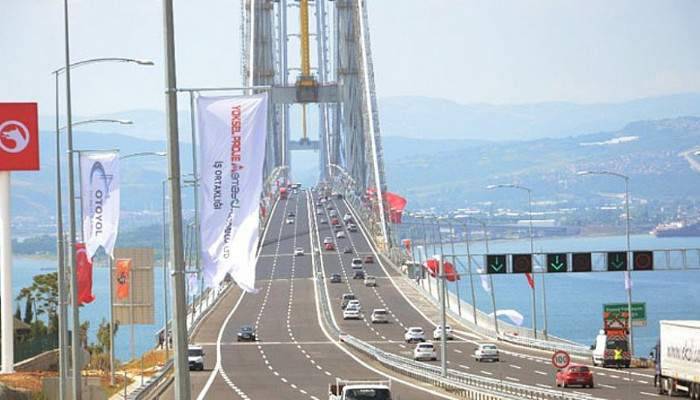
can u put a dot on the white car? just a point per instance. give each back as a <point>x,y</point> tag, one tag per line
<point>379,315</point>
<point>347,217</point>
<point>370,281</point>
<point>414,334</point>
<point>352,228</point>
<point>486,351</point>
<point>340,235</point>
<point>327,240</point>
<point>299,251</point>
<point>354,304</point>
<point>195,358</point>
<point>437,333</point>
<point>356,263</point>
<point>424,351</point>
<point>351,313</point>
<point>290,220</point>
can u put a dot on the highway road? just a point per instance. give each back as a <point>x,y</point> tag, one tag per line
<point>293,357</point>
<point>520,365</point>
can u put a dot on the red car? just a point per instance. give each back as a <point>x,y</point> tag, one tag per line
<point>574,374</point>
<point>329,246</point>
<point>335,221</point>
<point>368,260</point>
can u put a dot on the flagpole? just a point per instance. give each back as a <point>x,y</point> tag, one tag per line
<point>110,261</point>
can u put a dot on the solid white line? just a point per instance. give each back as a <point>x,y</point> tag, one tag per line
<point>217,368</point>
<point>346,351</point>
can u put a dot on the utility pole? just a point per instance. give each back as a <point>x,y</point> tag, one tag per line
<point>182,374</point>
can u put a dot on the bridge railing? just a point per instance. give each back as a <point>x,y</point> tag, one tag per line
<point>462,384</point>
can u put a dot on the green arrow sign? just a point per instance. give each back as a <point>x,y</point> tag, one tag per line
<point>496,264</point>
<point>556,262</point>
<point>617,261</point>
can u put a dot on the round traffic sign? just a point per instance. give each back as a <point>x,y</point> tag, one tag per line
<point>561,359</point>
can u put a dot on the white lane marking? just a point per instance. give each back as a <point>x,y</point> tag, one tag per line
<point>464,366</point>
<point>649,394</point>
<point>346,351</point>
<point>607,386</point>
<point>218,368</point>
<point>515,366</point>
<point>543,385</point>
<point>643,382</point>
<point>486,372</point>
<point>510,378</point>
<point>458,351</point>
<point>540,372</point>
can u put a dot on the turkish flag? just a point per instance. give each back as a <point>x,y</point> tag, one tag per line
<point>530,280</point>
<point>433,266</point>
<point>123,278</point>
<point>83,266</point>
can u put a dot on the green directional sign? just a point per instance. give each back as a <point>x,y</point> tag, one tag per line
<point>496,264</point>
<point>639,312</point>
<point>617,261</point>
<point>522,263</point>
<point>556,262</point>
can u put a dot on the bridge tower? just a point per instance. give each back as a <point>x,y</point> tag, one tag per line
<point>341,86</point>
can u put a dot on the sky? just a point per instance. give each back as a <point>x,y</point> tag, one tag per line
<point>499,52</point>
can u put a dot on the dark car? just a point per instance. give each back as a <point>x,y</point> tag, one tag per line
<point>291,214</point>
<point>335,278</point>
<point>347,250</point>
<point>368,259</point>
<point>246,333</point>
<point>359,275</point>
<point>574,374</point>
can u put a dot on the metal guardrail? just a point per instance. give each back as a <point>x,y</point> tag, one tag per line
<point>457,382</point>
<point>571,348</point>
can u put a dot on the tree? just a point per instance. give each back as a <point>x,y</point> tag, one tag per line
<point>44,291</point>
<point>18,313</point>
<point>28,311</point>
<point>104,343</point>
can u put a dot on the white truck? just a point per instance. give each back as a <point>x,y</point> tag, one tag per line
<point>679,357</point>
<point>365,390</point>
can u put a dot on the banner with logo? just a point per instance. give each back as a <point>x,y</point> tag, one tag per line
<point>123,278</point>
<point>232,133</point>
<point>83,265</point>
<point>99,194</point>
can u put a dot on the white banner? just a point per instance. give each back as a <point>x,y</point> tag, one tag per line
<point>512,315</point>
<point>99,194</point>
<point>232,132</point>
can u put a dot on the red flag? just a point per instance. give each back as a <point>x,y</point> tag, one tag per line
<point>433,266</point>
<point>123,278</point>
<point>530,280</point>
<point>84,274</point>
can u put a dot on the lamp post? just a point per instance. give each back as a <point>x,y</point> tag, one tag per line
<point>63,311</point>
<point>443,306</point>
<point>532,251</point>
<point>469,269</point>
<point>628,276</point>
<point>111,274</point>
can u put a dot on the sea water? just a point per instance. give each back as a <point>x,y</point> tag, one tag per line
<point>575,300</point>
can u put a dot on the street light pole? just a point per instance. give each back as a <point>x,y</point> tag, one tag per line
<point>443,308</point>
<point>75,342</point>
<point>63,301</point>
<point>628,274</point>
<point>469,269</point>
<point>532,251</point>
<point>182,376</point>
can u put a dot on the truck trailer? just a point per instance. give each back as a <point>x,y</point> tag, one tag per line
<point>679,357</point>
